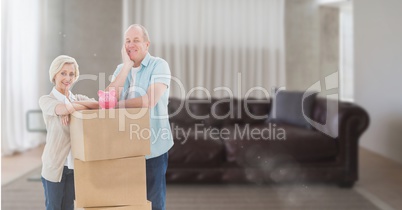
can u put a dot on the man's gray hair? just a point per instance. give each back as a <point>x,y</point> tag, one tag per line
<point>144,31</point>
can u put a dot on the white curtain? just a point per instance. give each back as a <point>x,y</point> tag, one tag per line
<point>21,35</point>
<point>236,46</point>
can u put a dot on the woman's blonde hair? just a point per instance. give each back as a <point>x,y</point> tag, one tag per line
<point>58,63</point>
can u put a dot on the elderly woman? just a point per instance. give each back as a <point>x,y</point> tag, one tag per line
<point>57,168</point>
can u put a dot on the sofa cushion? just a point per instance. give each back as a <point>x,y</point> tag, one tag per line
<point>288,107</point>
<point>190,111</point>
<point>277,143</point>
<point>221,112</point>
<point>177,111</point>
<point>241,111</point>
<point>255,110</point>
<point>196,146</point>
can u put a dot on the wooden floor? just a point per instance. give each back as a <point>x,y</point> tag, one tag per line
<point>24,193</point>
<point>15,166</point>
<point>380,179</point>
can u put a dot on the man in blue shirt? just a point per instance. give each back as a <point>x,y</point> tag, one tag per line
<point>146,83</point>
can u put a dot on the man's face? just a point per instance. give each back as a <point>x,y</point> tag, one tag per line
<point>136,46</point>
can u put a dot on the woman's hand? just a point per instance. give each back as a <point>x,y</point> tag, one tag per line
<point>90,104</point>
<point>65,119</point>
<point>126,58</point>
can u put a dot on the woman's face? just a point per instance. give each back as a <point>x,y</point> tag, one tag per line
<point>65,78</point>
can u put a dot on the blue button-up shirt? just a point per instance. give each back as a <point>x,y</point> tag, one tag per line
<point>153,70</point>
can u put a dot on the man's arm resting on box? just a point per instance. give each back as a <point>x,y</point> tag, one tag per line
<point>149,100</point>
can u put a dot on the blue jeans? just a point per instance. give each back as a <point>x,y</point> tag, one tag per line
<point>60,195</point>
<point>156,181</point>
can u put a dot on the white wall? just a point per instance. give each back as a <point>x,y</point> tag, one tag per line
<point>378,73</point>
<point>93,35</point>
<point>52,40</point>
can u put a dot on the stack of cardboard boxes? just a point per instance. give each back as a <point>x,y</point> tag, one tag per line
<point>109,147</point>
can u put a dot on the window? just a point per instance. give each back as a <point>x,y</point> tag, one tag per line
<point>346,58</point>
<point>346,71</point>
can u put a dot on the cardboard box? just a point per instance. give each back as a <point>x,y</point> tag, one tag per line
<point>147,206</point>
<point>117,182</point>
<point>110,134</point>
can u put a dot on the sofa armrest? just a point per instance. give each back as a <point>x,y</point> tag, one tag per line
<point>336,118</point>
<point>353,121</point>
<point>345,123</point>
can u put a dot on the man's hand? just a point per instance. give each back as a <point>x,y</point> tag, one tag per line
<point>118,83</point>
<point>126,59</point>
